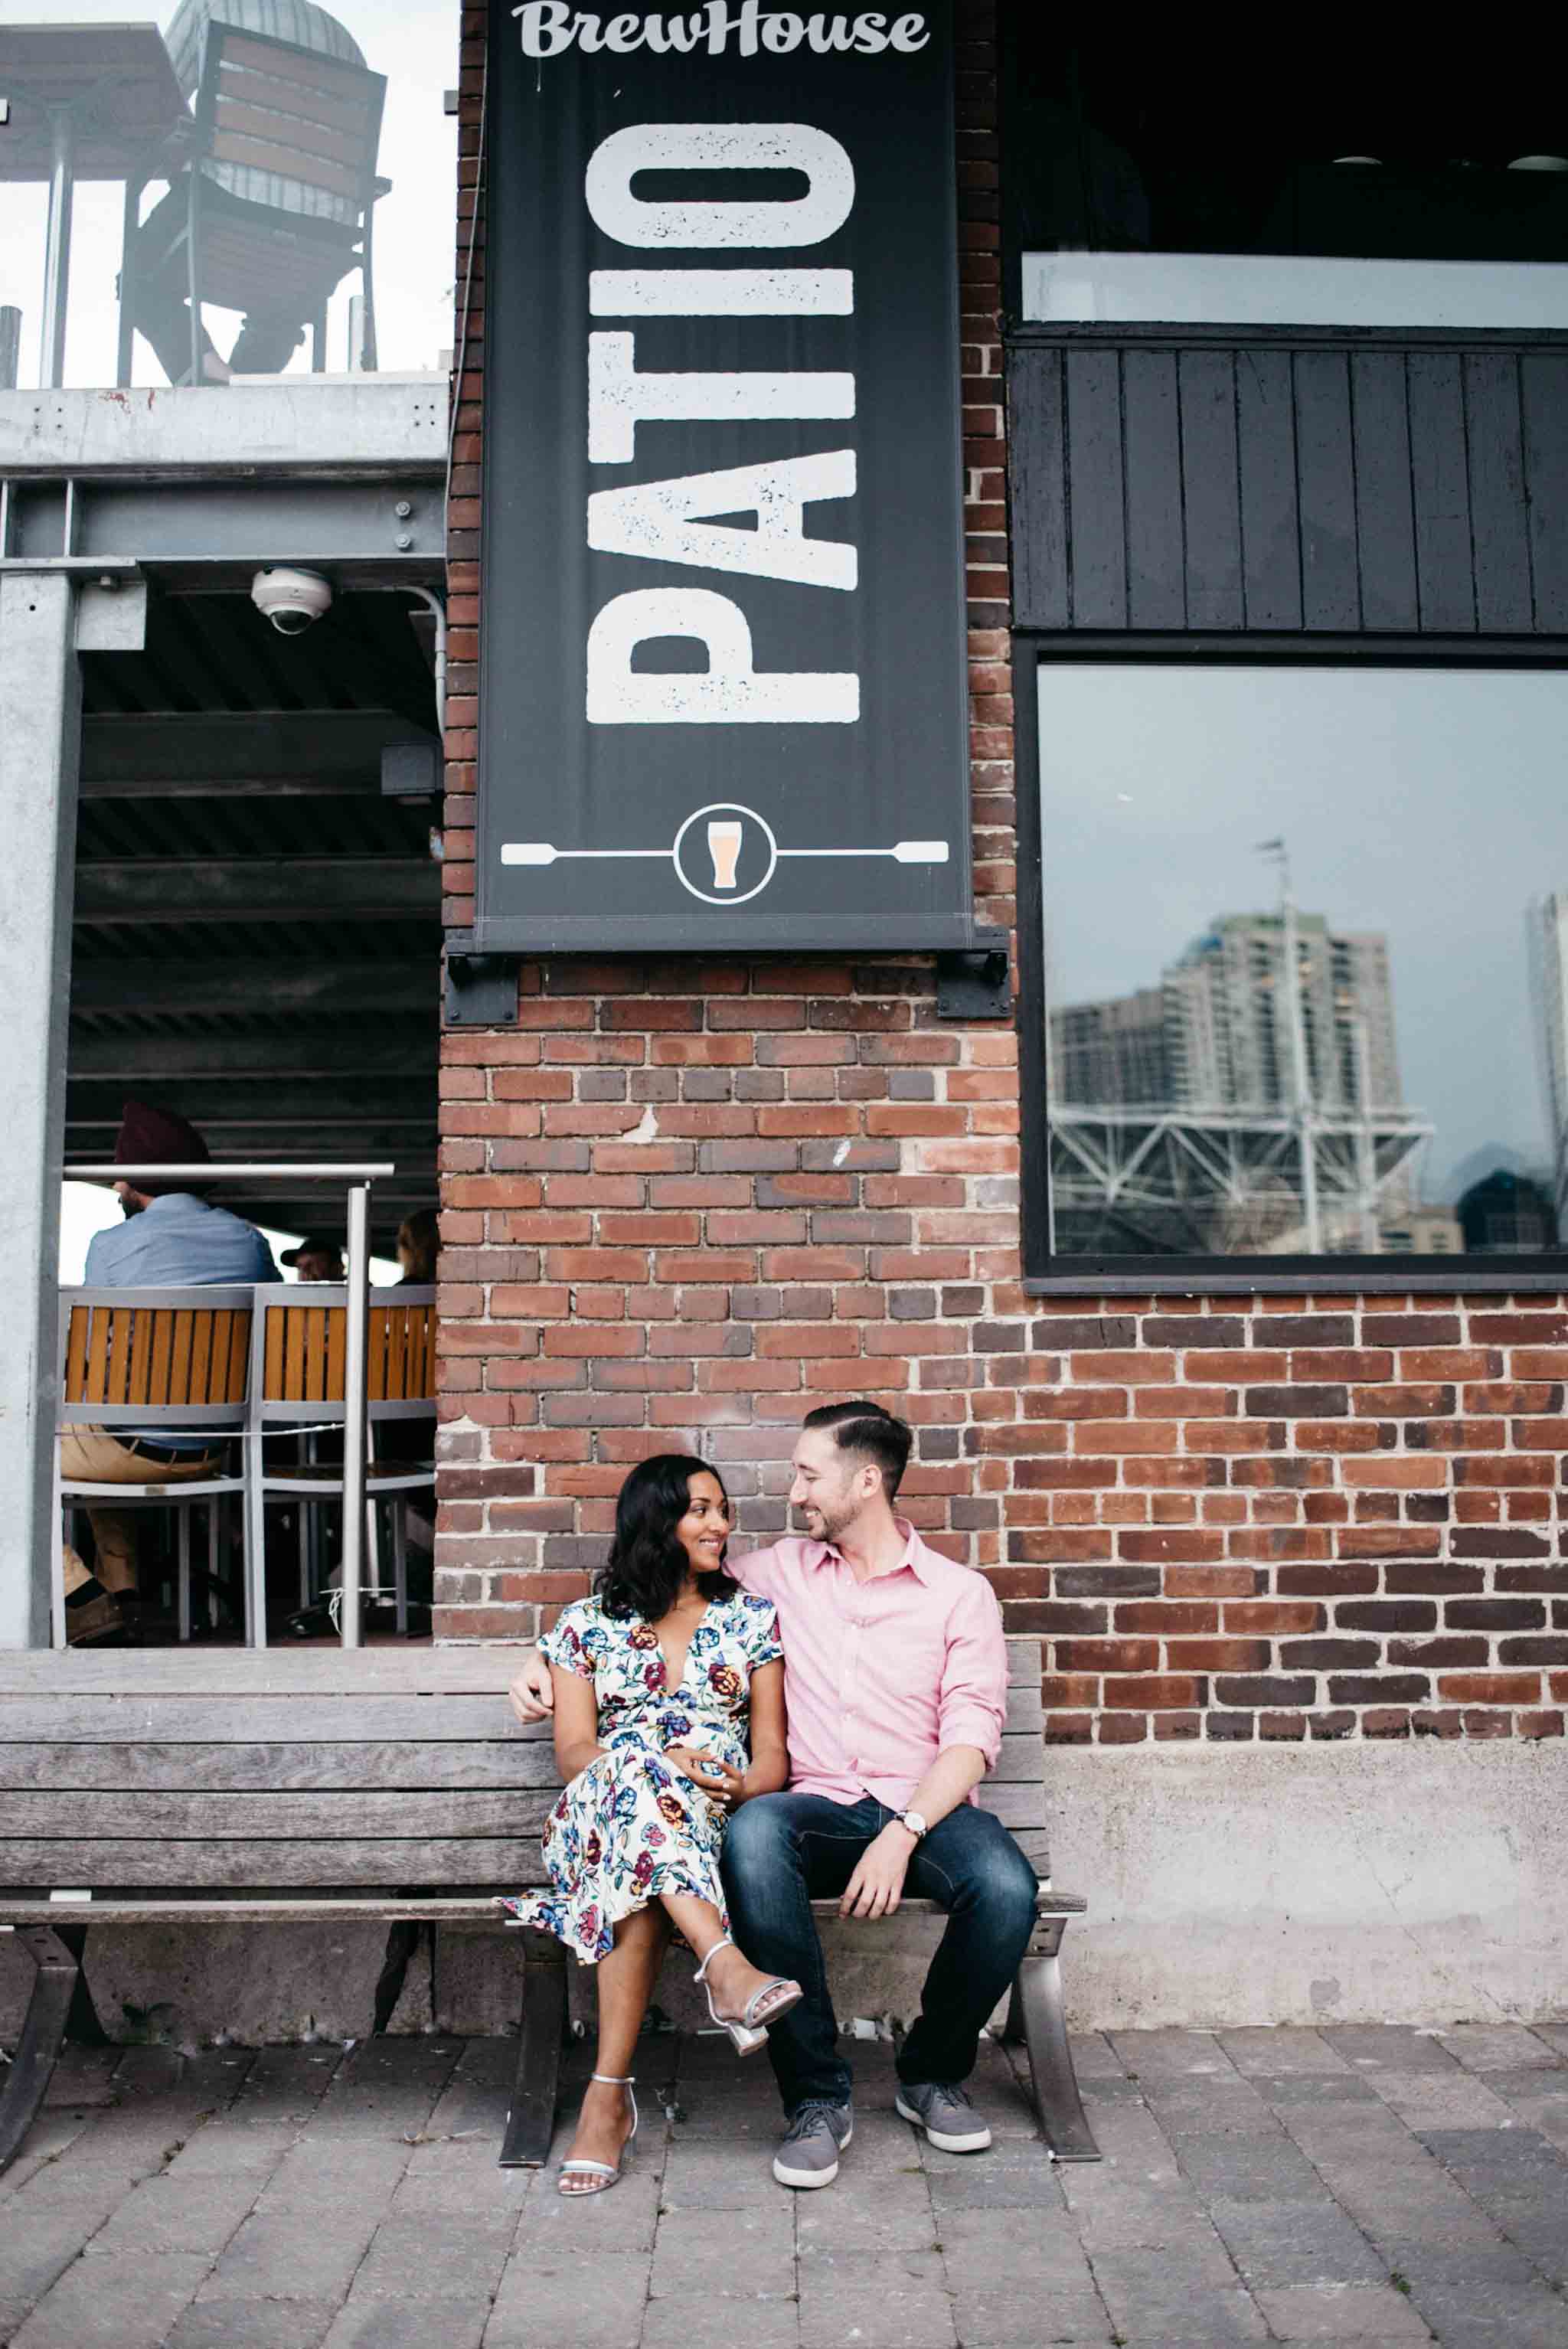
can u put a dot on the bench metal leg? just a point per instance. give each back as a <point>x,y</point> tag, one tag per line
<point>531,2122</point>
<point>26,2078</point>
<point>1036,2016</point>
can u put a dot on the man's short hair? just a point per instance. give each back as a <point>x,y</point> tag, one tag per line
<point>871,1432</point>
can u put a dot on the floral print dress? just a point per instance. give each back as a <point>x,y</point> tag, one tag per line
<point>630,1827</point>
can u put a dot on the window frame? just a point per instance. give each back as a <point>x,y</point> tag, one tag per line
<point>1049,1275</point>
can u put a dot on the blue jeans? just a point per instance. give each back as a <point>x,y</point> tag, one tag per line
<point>783,1851</point>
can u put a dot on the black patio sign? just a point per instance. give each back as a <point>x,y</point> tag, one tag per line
<point>722,666</point>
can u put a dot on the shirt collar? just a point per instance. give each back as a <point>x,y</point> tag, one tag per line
<point>916,1557</point>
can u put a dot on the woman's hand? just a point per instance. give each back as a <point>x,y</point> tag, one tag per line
<point>717,1781</point>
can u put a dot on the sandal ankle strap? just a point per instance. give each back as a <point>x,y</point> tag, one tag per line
<point>610,2080</point>
<point>725,1941</point>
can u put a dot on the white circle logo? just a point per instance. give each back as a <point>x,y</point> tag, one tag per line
<point>725,854</point>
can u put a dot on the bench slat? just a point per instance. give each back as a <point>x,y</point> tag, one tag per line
<point>253,1908</point>
<point>201,1863</point>
<point>497,1760</point>
<point>346,1815</point>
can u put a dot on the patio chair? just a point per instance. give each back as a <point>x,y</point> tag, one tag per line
<point>299,1346</point>
<point>142,1360</point>
<point>293,114</point>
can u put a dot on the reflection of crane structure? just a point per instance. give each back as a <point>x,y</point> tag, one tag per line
<point>1548,984</point>
<point>1249,1104</point>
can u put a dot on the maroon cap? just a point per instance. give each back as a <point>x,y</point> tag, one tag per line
<point>152,1137</point>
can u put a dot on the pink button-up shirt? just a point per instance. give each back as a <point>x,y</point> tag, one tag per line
<point>879,1676</point>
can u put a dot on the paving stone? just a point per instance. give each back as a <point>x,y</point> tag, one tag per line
<point>47,2139</point>
<point>553,2296</point>
<point>1275,2052</point>
<point>869,2301</point>
<point>170,2213</point>
<point>1172,2054</point>
<point>132,2305</point>
<point>320,2174</point>
<point>82,2075</point>
<point>1498,2046</point>
<point>1179,2295</point>
<point>37,2243</point>
<point>460,2257</point>
<point>455,2323</point>
<point>255,2324</point>
<point>1553,2035</point>
<point>1094,2057</point>
<point>709,2177</point>
<point>1281,2244</point>
<point>715,2323</point>
<point>274,2256</point>
<point>1499,2316</point>
<point>832,2222</point>
<point>1452,2099</point>
<point>691,2255</point>
<point>1347,2087</point>
<point>1247,2168</point>
<point>1008,2317</point>
<point>1388,2046</point>
<point>222,2147</point>
<point>1334,2312</point>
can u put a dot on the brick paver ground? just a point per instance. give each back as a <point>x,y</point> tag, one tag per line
<point>1369,2186</point>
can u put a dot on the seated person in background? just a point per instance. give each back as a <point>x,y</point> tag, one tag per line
<point>667,1690</point>
<point>172,1238</point>
<point>271,332</point>
<point>419,1245</point>
<point>315,1259</point>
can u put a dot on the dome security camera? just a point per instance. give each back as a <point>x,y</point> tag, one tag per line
<point>291,600</point>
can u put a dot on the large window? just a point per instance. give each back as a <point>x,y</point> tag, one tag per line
<point>1305,948</point>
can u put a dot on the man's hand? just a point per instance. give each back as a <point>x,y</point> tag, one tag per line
<point>532,1692</point>
<point>876,1887</point>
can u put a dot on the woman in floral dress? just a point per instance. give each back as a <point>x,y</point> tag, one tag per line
<point>669,1711</point>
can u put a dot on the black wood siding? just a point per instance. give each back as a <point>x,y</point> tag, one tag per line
<point>1278,482</point>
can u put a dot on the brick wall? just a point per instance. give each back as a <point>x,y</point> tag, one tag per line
<point>684,1201</point>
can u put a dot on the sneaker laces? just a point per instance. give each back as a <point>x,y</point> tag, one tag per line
<point>814,2110</point>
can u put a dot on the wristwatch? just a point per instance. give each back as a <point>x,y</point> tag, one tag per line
<point>914,1823</point>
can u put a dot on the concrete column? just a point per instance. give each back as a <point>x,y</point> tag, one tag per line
<point>40,747</point>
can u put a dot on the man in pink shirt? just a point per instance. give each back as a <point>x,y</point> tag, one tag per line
<point>896,1685</point>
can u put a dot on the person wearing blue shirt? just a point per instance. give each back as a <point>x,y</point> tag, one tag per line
<point>172,1238</point>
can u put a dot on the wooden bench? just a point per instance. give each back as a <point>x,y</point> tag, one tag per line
<point>392,1787</point>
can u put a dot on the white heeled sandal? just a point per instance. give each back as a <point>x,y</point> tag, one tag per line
<point>745,2033</point>
<point>606,2173</point>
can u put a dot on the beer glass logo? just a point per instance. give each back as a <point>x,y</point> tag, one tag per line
<point>725,835</point>
<point>725,854</point>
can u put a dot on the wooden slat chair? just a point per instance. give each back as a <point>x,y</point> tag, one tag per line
<point>146,1360</point>
<point>299,1349</point>
<point>301,116</point>
<point>391,1787</point>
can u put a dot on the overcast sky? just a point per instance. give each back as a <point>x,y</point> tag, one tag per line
<point>414,43</point>
<point>1428,804</point>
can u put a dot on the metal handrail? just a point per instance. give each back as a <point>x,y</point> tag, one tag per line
<point>358,1180</point>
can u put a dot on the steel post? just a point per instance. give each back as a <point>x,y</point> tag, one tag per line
<point>40,745</point>
<point>355,1326</point>
<point>57,253</point>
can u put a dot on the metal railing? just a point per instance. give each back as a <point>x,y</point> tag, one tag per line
<point>358,1180</point>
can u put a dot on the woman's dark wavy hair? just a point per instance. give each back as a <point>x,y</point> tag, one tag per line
<point>647,1566</point>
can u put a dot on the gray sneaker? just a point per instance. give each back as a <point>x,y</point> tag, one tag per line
<point>944,2111</point>
<point>809,2151</point>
